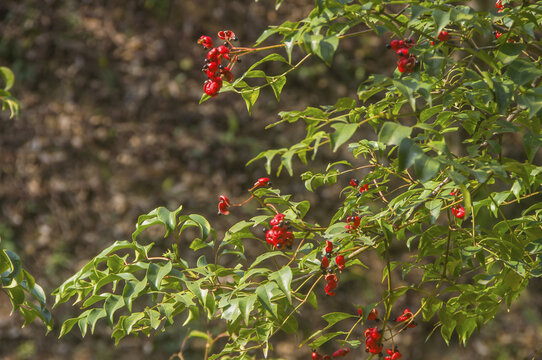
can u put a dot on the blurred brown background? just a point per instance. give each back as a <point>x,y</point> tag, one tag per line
<point>111,128</point>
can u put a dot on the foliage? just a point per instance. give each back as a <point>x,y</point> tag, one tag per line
<point>25,295</point>
<point>464,213</point>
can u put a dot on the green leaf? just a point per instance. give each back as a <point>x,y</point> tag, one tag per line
<point>111,305</point>
<point>409,152</point>
<point>427,113</point>
<point>283,278</point>
<point>531,144</point>
<point>155,274</point>
<point>277,83</point>
<point>335,317</point>
<point>393,133</point>
<point>407,87</point>
<point>532,99</point>
<point>250,96</point>
<point>325,338</point>
<point>434,207</point>
<point>8,76</point>
<point>522,71</point>
<point>343,132</point>
<point>442,18</point>
<point>324,48</point>
<point>67,326</point>
<point>265,300</point>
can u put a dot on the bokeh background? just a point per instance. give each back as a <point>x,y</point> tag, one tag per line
<point>111,128</point>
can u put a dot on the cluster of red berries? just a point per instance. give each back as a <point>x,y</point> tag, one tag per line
<point>406,61</point>
<point>214,69</point>
<point>361,189</point>
<point>373,344</point>
<point>352,223</point>
<point>339,259</point>
<point>338,353</point>
<point>393,354</point>
<point>458,210</point>
<point>499,6</point>
<point>278,235</point>
<point>407,318</point>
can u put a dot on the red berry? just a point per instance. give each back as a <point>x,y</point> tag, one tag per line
<point>223,205</point>
<point>212,87</point>
<point>497,34</point>
<point>373,315</point>
<point>264,181</point>
<point>205,41</point>
<point>443,36</point>
<point>360,312</point>
<point>213,55</point>
<point>499,6</point>
<point>329,247</point>
<point>394,45</point>
<point>315,355</point>
<point>355,182</point>
<point>459,212</point>
<point>340,262</point>
<point>364,188</point>
<point>402,52</point>
<point>227,74</point>
<point>432,43</point>
<point>277,219</point>
<point>341,352</point>
<point>325,262</point>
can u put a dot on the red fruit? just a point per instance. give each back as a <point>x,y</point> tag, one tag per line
<point>443,36</point>
<point>406,64</point>
<point>459,212</point>
<point>224,51</point>
<point>394,45</point>
<point>325,262</point>
<point>227,74</point>
<point>364,188</point>
<point>315,356</point>
<point>329,247</point>
<point>213,55</point>
<point>212,66</point>
<point>341,352</point>
<point>264,181</point>
<point>402,52</point>
<point>372,333</point>
<point>211,74</point>
<point>373,315</point>
<point>331,284</point>
<point>499,6</point>
<point>394,355</point>
<point>355,182</point>
<point>212,87</point>
<point>205,41</point>
<point>223,205</point>
<point>497,34</point>
<point>432,43</point>
<point>226,35</point>
<point>360,312</point>
<point>277,219</point>
<point>340,262</point>
<point>401,43</point>
<point>328,289</point>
